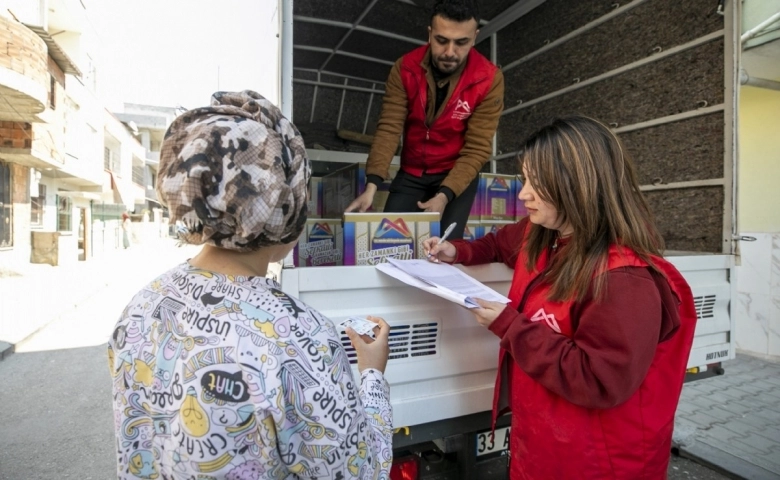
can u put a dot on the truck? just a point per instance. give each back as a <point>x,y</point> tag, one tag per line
<point>661,73</point>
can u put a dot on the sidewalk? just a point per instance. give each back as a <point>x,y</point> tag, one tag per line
<point>732,422</point>
<point>42,293</point>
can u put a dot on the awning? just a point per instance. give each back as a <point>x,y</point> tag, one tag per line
<point>66,64</point>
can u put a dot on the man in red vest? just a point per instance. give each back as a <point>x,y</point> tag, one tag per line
<point>446,99</point>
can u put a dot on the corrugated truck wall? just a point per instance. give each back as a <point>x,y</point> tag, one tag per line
<point>627,64</point>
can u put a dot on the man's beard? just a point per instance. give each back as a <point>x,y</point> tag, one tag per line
<point>439,64</point>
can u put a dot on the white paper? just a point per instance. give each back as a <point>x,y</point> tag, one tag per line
<point>362,326</point>
<point>441,279</point>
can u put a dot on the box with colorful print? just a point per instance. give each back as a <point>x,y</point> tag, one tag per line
<point>497,196</point>
<point>341,187</point>
<point>321,244</point>
<point>475,214</point>
<point>369,238</point>
<point>315,197</point>
<point>470,232</point>
<point>520,210</point>
<point>490,227</point>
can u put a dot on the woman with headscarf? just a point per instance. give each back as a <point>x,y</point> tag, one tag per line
<point>225,375</point>
<point>125,230</point>
<point>595,342</point>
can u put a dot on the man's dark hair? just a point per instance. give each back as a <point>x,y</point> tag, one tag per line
<point>456,10</point>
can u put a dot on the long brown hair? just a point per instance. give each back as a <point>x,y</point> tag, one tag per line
<point>580,167</point>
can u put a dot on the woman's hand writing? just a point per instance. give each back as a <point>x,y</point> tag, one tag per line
<point>439,251</point>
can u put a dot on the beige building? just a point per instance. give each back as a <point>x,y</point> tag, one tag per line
<point>151,122</point>
<point>68,167</point>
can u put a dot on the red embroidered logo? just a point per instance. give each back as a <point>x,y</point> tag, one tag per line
<point>462,110</point>
<point>548,319</point>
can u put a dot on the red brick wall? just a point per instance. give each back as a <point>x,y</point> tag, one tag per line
<point>15,135</point>
<point>23,51</point>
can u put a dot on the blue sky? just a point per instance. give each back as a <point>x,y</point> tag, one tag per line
<point>178,52</point>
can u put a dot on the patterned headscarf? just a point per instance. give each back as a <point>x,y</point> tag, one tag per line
<point>235,174</point>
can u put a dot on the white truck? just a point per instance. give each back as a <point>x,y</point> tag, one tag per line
<point>662,73</point>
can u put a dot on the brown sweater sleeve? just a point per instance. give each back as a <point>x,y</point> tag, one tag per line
<point>390,125</point>
<point>478,146</point>
<point>611,350</point>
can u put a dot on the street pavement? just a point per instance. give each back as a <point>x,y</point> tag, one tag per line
<point>55,390</point>
<point>733,421</point>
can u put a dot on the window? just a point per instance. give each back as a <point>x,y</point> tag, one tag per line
<point>138,175</point>
<point>6,207</point>
<point>64,214</point>
<point>53,92</point>
<point>37,205</point>
<point>110,161</point>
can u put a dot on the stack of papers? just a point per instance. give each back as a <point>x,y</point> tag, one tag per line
<point>441,279</point>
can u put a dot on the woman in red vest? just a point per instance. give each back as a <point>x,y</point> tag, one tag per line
<point>595,343</point>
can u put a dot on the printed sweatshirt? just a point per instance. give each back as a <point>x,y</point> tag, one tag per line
<point>229,377</point>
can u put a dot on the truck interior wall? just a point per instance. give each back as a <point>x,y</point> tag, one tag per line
<point>620,41</point>
<point>688,150</point>
<point>690,219</point>
<point>668,86</point>
<point>681,151</point>
<point>356,104</point>
<point>303,98</point>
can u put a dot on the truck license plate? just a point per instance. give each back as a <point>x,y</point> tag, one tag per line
<point>491,442</point>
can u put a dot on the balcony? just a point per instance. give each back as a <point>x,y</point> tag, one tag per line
<point>41,146</point>
<point>24,75</point>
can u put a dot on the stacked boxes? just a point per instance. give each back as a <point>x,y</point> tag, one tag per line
<point>496,205</point>
<point>489,227</point>
<point>471,230</point>
<point>497,200</point>
<point>320,244</point>
<point>341,187</point>
<point>497,197</point>
<point>370,238</point>
<point>520,210</point>
<point>315,197</point>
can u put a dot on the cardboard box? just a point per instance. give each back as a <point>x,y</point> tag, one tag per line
<point>369,238</point>
<point>520,210</point>
<point>475,214</point>
<point>470,232</point>
<point>320,244</point>
<point>315,197</point>
<point>341,187</point>
<point>497,197</point>
<point>490,227</point>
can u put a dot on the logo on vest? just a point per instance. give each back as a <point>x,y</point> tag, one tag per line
<point>548,319</point>
<point>462,110</point>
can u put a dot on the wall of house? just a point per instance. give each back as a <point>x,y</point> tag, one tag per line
<point>758,276</point>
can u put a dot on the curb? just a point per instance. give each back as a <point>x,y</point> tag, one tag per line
<point>6,349</point>
<point>725,463</point>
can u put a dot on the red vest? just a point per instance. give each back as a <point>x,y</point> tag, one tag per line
<point>435,148</point>
<point>553,438</point>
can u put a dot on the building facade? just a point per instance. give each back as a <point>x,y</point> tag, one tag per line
<point>69,168</point>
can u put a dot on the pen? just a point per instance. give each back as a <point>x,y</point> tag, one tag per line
<point>446,234</point>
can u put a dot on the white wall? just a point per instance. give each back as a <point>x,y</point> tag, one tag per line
<point>758,277</point>
<point>32,12</point>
